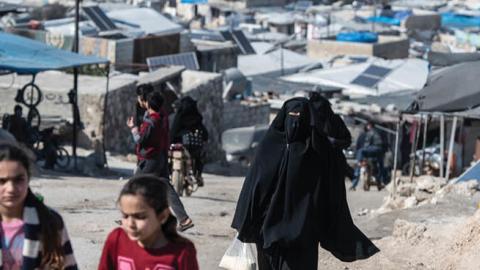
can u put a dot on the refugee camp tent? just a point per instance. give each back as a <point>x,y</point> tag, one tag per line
<point>26,56</point>
<point>373,77</point>
<point>450,89</point>
<point>272,63</point>
<point>441,59</point>
<point>148,20</point>
<point>400,100</point>
<point>473,173</point>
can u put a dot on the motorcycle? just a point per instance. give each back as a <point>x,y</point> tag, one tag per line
<point>369,173</point>
<point>181,167</point>
<point>431,164</point>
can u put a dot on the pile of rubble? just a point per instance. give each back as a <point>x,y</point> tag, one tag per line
<point>423,190</point>
<point>438,246</point>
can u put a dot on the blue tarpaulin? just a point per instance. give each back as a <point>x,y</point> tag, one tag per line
<point>363,37</point>
<point>195,2</point>
<point>384,20</point>
<point>459,21</point>
<point>27,56</point>
<point>473,173</point>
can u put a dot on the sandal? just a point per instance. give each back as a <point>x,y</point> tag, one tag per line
<point>188,223</point>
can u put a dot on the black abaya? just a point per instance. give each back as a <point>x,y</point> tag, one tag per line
<point>294,194</point>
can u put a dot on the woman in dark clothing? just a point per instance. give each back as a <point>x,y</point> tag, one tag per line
<point>294,195</point>
<point>188,129</point>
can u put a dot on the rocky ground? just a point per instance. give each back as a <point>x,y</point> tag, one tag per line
<point>444,235</point>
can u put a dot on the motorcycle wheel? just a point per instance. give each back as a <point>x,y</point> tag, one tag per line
<point>188,190</point>
<point>177,182</point>
<point>366,186</point>
<point>63,158</point>
<point>406,169</point>
<point>366,180</point>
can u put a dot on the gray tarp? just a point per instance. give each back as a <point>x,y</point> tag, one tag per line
<point>448,59</point>
<point>450,89</point>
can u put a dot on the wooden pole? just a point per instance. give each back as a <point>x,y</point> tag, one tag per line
<point>442,143</point>
<point>424,143</point>
<point>395,157</point>
<point>450,147</point>
<point>414,150</point>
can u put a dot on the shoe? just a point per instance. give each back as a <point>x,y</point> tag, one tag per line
<point>185,225</point>
<point>200,182</point>
<point>352,188</point>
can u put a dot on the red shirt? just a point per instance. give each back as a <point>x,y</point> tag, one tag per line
<point>122,253</point>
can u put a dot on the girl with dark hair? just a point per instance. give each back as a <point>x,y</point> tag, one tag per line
<point>151,140</point>
<point>33,236</point>
<point>148,238</point>
<point>141,106</point>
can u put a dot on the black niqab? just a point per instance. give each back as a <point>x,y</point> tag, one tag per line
<point>186,118</point>
<point>294,192</point>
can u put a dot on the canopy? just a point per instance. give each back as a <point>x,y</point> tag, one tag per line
<point>374,77</point>
<point>473,173</point>
<point>451,89</point>
<point>27,56</point>
<point>440,59</point>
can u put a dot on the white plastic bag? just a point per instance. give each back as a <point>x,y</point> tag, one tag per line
<point>239,256</point>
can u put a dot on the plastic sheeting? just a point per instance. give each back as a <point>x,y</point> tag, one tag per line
<point>459,21</point>
<point>473,173</point>
<point>384,20</point>
<point>450,89</point>
<point>405,74</point>
<point>363,37</point>
<point>26,56</point>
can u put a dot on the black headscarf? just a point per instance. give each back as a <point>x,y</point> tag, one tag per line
<point>294,192</point>
<point>187,118</point>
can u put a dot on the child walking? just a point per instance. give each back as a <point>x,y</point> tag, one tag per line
<point>33,236</point>
<point>148,238</point>
<point>151,140</point>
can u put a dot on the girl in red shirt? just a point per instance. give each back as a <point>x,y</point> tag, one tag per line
<point>147,238</point>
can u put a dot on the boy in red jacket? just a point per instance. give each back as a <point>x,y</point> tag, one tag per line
<point>151,140</point>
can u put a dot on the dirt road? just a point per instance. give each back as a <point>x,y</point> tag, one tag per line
<point>89,209</point>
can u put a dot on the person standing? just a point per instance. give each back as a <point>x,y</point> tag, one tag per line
<point>151,139</point>
<point>372,146</point>
<point>294,198</point>
<point>17,125</point>
<point>33,236</point>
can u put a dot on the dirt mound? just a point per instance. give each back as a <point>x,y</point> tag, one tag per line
<point>466,245</point>
<point>439,246</point>
<point>413,233</point>
<point>423,190</point>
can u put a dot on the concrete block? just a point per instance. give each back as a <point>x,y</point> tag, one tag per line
<point>387,47</point>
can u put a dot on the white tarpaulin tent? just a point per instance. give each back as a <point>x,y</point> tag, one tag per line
<point>373,77</point>
<point>271,63</point>
<point>148,20</point>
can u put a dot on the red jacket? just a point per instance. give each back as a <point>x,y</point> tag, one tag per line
<point>152,136</point>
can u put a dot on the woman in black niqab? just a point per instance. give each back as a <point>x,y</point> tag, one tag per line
<point>293,197</point>
<point>188,129</point>
<point>187,118</point>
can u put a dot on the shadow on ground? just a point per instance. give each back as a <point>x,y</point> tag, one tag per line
<point>108,173</point>
<point>226,169</point>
